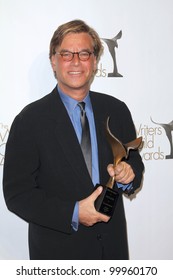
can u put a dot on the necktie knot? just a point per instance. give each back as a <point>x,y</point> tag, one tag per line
<point>82,107</point>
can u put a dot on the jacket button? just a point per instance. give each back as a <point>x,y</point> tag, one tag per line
<point>99,237</point>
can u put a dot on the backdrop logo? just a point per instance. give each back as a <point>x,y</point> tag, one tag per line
<point>155,141</point>
<point>4,132</point>
<point>168,127</point>
<point>112,44</point>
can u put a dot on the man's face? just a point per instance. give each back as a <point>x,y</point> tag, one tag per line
<point>74,77</point>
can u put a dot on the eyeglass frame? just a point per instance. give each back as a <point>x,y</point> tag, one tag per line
<point>73,53</point>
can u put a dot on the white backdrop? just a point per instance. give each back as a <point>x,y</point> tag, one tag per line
<point>144,58</point>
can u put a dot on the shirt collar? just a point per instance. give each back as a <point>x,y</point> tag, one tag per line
<point>71,103</point>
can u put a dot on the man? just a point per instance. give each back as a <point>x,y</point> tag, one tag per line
<point>46,179</point>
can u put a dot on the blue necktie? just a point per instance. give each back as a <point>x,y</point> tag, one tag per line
<point>85,139</point>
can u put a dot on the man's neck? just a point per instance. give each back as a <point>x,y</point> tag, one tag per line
<point>77,94</point>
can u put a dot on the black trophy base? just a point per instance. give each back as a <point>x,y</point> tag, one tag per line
<point>106,201</point>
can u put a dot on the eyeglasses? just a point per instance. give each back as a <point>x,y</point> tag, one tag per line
<point>68,56</point>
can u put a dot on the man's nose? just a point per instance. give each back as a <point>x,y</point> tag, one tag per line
<point>76,58</point>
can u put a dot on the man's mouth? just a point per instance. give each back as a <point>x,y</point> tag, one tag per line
<point>75,72</point>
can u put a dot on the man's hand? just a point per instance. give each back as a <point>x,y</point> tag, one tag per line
<point>88,215</point>
<point>123,172</point>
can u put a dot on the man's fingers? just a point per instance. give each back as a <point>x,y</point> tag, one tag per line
<point>111,170</point>
<point>96,193</point>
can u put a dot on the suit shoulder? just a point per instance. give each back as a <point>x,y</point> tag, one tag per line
<point>40,106</point>
<point>105,99</point>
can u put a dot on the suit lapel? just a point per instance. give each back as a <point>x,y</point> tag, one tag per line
<point>66,136</point>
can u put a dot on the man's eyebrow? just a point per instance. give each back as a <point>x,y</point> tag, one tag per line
<point>82,50</point>
<point>64,50</point>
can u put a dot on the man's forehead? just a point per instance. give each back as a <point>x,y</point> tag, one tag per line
<point>77,38</point>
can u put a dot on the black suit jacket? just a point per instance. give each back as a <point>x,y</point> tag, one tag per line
<point>45,174</point>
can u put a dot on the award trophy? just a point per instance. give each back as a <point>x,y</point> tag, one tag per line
<point>106,201</point>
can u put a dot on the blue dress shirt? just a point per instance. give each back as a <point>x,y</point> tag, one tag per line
<point>74,111</point>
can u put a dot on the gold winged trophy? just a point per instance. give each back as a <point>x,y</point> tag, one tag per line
<point>106,202</point>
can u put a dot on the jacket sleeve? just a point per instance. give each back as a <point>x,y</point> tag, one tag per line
<point>134,158</point>
<point>128,134</point>
<point>22,193</point>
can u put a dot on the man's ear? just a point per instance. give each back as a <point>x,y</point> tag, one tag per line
<point>95,64</point>
<point>53,62</point>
